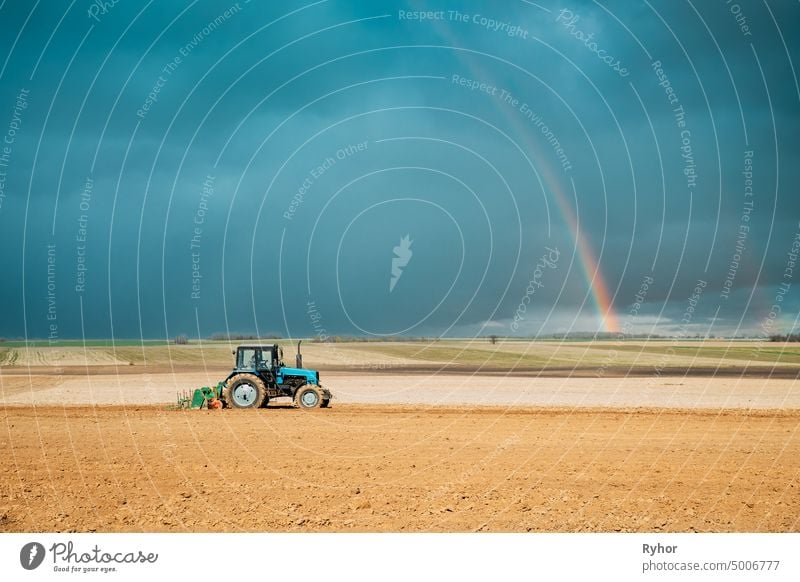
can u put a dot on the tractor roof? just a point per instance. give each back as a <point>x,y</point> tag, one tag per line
<point>254,346</point>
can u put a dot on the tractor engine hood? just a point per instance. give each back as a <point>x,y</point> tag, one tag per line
<point>310,375</point>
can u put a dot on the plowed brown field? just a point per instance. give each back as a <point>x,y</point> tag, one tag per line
<point>398,468</point>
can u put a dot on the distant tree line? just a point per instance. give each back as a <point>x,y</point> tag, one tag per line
<point>373,338</point>
<point>241,336</point>
<point>789,337</point>
<point>603,335</point>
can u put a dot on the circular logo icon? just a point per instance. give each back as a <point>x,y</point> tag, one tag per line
<point>31,555</point>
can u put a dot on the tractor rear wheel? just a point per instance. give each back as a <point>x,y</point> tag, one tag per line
<point>309,396</point>
<point>244,391</point>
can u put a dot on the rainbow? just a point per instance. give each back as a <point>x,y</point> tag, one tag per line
<point>598,288</point>
<point>609,321</point>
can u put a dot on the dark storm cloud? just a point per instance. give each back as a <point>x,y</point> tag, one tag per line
<point>200,126</point>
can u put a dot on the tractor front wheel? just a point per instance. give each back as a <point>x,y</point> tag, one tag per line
<point>309,396</point>
<point>244,391</point>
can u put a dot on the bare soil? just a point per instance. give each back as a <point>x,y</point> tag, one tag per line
<point>581,441</point>
<point>398,468</point>
<point>160,385</point>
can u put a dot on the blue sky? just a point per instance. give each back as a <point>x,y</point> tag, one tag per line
<point>192,168</point>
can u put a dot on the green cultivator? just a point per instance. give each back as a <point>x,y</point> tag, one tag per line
<point>259,375</point>
<point>204,397</point>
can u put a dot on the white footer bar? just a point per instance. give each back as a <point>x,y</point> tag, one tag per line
<point>405,557</point>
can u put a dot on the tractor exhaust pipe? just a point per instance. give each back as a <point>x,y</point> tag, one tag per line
<point>298,359</point>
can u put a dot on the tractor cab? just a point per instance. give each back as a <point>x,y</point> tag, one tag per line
<point>259,358</point>
<point>259,374</point>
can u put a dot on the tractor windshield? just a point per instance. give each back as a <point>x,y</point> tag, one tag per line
<point>247,358</point>
<point>265,359</point>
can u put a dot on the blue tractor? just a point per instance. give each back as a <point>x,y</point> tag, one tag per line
<point>260,375</point>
